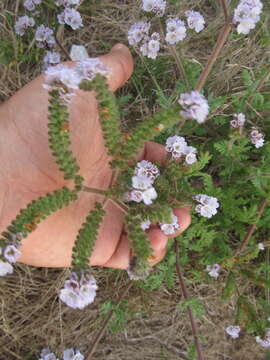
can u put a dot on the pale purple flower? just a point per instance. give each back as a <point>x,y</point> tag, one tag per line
<point>23,23</point>
<point>51,58</point>
<point>46,354</point>
<point>149,195</point>
<point>44,35</point>
<point>175,30</point>
<point>190,155</point>
<point>239,120</point>
<point>145,225</point>
<point>156,6</point>
<point>195,20</point>
<point>195,106</point>
<point>67,2</point>
<point>233,331</point>
<point>78,52</point>
<point>172,227</point>
<point>11,253</point>
<point>70,354</point>
<point>213,270</point>
<point>147,169</point>
<point>89,68</point>
<point>265,342</point>
<point>256,138</point>
<point>138,32</point>
<point>141,183</point>
<point>136,195</point>
<point>5,268</point>
<point>151,46</point>
<point>246,15</point>
<point>207,205</point>
<point>63,75</point>
<point>78,292</point>
<point>176,145</point>
<point>70,17</point>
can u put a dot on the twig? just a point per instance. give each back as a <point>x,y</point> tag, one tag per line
<point>62,48</point>
<point>213,57</point>
<point>252,227</point>
<point>179,65</point>
<point>225,10</point>
<point>121,205</point>
<point>105,324</point>
<point>185,294</point>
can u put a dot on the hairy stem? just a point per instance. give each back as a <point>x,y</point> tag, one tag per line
<point>105,324</point>
<point>215,53</point>
<point>225,10</point>
<point>252,227</point>
<point>185,295</point>
<point>62,48</point>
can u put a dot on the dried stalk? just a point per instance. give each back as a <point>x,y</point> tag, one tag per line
<point>189,310</point>
<point>105,324</point>
<point>225,10</point>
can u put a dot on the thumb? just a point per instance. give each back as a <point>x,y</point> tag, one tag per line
<point>119,61</point>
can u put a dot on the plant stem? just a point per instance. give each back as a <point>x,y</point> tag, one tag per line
<point>179,65</point>
<point>105,324</point>
<point>225,10</point>
<point>213,57</point>
<point>93,190</point>
<point>62,48</point>
<point>185,295</point>
<point>252,227</point>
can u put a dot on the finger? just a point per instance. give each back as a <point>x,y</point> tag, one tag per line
<point>153,152</point>
<point>184,219</point>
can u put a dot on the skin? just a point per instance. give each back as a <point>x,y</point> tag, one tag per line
<point>28,170</point>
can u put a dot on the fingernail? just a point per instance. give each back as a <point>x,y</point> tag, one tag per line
<point>118,47</point>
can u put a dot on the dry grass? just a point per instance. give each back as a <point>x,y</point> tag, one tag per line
<point>31,315</point>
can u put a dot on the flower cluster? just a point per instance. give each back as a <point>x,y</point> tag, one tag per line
<point>51,58</point>
<point>246,15</point>
<point>30,5</point>
<point>23,23</point>
<point>172,227</point>
<point>70,17</point>
<point>71,77</point>
<point>265,342</point>
<point>233,331</point>
<point>207,205</point>
<point>238,121</point>
<point>79,291</point>
<point>156,6</point>
<point>142,183</point>
<point>44,36</point>
<point>213,270</point>
<point>9,254</point>
<point>67,2</point>
<point>178,147</point>
<point>68,354</point>
<point>195,106</point>
<point>175,29</point>
<point>256,137</point>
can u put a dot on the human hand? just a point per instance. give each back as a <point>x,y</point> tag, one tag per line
<point>29,171</point>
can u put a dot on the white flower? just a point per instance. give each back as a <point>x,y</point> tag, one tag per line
<point>175,30</point>
<point>190,155</point>
<point>23,23</point>
<point>246,15</point>
<point>136,195</point>
<point>149,195</point>
<point>150,47</point>
<point>78,52</point>
<point>261,246</point>
<point>137,32</point>
<point>233,331</point>
<point>70,354</point>
<point>157,6</point>
<point>213,270</point>
<point>44,35</point>
<point>11,253</point>
<point>266,341</point>
<point>195,20</point>
<point>70,17</point>
<point>145,225</point>
<point>195,106</point>
<point>79,292</point>
<point>256,138</point>
<point>147,169</point>
<point>88,68</point>
<point>46,354</point>
<point>67,2</point>
<point>176,145</point>
<point>171,228</point>
<point>5,268</point>
<point>141,183</point>
<point>51,58</point>
<point>208,205</point>
<point>239,120</point>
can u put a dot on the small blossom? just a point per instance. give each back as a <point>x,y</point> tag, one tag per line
<point>136,195</point>
<point>45,35</point>
<point>233,331</point>
<point>70,17</point>
<point>141,183</point>
<point>147,169</point>
<point>78,52</point>
<point>5,268</point>
<point>195,106</point>
<point>79,292</point>
<point>46,354</point>
<point>149,195</point>
<point>208,205</point>
<point>70,354</point>
<point>256,138</point>
<point>176,145</point>
<point>156,6</point>
<point>246,15</point>
<point>261,246</point>
<point>88,68</point>
<point>150,48</point>
<point>11,253</point>
<point>67,2</point>
<point>239,120</point>
<point>190,155</point>
<point>175,30</point>
<point>265,342</point>
<point>61,74</point>
<point>171,228</point>
<point>23,23</point>
<point>145,225</point>
<point>195,20</point>
<point>213,270</point>
<point>137,32</point>
<point>51,58</point>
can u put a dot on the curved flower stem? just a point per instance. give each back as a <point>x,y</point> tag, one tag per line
<point>105,324</point>
<point>185,295</point>
<point>215,53</point>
